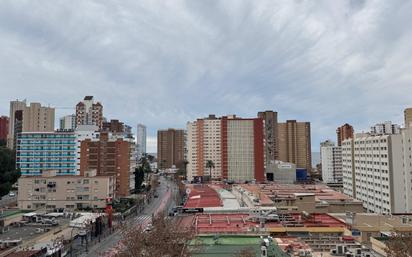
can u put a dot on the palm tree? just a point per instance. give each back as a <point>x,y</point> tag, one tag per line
<point>210,165</point>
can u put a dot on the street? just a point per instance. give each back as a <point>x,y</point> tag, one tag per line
<point>166,191</point>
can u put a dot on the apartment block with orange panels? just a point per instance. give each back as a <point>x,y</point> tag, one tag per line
<point>234,145</point>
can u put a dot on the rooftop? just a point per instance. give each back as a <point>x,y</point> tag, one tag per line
<point>202,196</point>
<point>270,192</point>
<point>245,223</point>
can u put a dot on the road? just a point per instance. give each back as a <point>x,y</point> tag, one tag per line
<point>166,192</point>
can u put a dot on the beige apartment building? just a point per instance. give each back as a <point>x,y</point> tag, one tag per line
<point>295,144</point>
<point>408,117</point>
<point>69,192</point>
<point>32,118</point>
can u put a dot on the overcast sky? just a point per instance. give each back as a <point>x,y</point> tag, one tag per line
<point>163,63</point>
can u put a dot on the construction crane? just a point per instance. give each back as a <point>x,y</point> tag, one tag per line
<point>67,108</point>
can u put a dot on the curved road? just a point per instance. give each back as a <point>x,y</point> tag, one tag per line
<point>166,191</point>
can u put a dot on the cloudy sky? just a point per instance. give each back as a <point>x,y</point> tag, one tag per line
<point>163,63</point>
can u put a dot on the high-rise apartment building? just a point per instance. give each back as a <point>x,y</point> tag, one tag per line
<point>270,119</point>
<point>331,159</point>
<point>373,171</point>
<point>37,152</point>
<point>405,182</point>
<point>385,128</point>
<point>170,148</point>
<point>408,117</point>
<point>234,145</point>
<point>89,113</point>
<point>4,128</point>
<point>141,140</point>
<point>295,143</point>
<point>344,132</point>
<point>68,122</point>
<point>32,118</point>
<point>110,155</point>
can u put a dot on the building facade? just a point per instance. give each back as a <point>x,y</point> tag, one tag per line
<point>331,159</point>
<point>38,152</point>
<point>68,122</point>
<point>32,118</point>
<point>171,148</point>
<point>141,140</point>
<point>4,128</point>
<point>50,191</point>
<point>295,144</point>
<point>344,132</point>
<point>373,172</point>
<point>270,119</point>
<point>385,128</point>
<point>234,145</point>
<point>408,117</point>
<point>89,112</point>
<point>110,155</point>
<point>405,184</point>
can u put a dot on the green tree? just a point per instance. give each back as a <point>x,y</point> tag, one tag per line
<point>138,178</point>
<point>8,173</point>
<point>210,165</point>
<point>145,165</point>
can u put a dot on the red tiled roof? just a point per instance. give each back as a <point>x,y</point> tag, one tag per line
<point>202,196</point>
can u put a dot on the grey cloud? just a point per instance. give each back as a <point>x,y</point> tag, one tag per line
<point>163,63</point>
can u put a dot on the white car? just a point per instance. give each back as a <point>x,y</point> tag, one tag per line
<point>12,194</point>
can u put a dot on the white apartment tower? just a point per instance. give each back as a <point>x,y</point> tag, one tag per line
<point>68,122</point>
<point>141,140</point>
<point>331,159</point>
<point>385,128</point>
<point>373,171</point>
<point>406,184</point>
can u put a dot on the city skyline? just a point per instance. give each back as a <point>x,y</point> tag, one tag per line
<point>326,63</point>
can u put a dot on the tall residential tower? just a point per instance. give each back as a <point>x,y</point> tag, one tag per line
<point>344,132</point>
<point>170,148</point>
<point>295,144</point>
<point>270,119</point>
<point>234,145</point>
<point>32,118</point>
<point>141,140</point>
<point>89,112</point>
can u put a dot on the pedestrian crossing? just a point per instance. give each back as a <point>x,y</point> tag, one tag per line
<point>143,220</point>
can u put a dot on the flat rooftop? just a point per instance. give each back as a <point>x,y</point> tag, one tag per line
<point>245,223</point>
<point>275,191</point>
